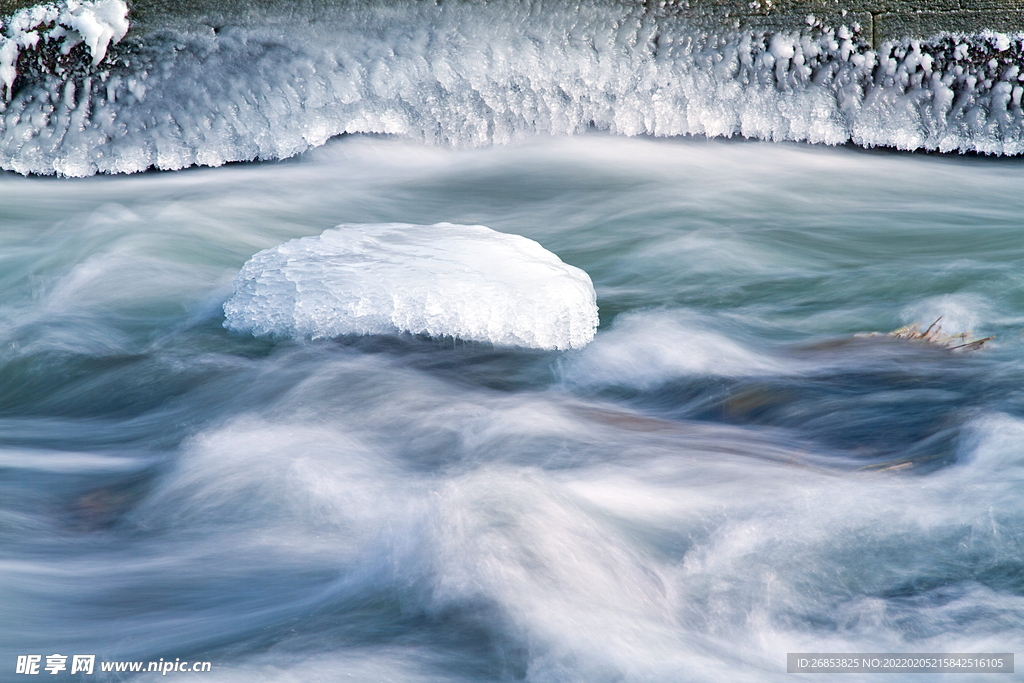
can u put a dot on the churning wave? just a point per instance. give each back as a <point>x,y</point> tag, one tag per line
<point>471,74</point>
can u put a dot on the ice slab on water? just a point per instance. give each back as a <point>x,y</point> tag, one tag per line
<point>443,280</point>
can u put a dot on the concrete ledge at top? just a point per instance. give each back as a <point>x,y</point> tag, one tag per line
<point>893,26</point>
<point>880,20</point>
<point>155,14</point>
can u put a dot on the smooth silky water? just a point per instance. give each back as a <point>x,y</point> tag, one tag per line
<point>730,471</point>
<point>725,474</point>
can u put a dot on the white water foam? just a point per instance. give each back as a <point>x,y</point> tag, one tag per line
<point>646,349</point>
<point>954,313</point>
<point>475,74</point>
<point>444,280</point>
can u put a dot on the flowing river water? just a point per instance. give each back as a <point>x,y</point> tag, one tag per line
<point>730,471</point>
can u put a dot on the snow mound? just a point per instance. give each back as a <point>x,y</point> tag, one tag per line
<point>444,280</point>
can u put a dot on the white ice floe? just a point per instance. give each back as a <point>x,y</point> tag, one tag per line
<point>444,280</point>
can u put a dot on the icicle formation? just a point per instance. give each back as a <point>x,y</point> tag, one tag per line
<point>97,24</point>
<point>471,74</point>
<point>953,93</point>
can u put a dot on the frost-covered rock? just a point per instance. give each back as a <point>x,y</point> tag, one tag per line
<point>444,280</point>
<point>98,24</point>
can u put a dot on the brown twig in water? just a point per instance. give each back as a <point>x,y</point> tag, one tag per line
<point>933,335</point>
